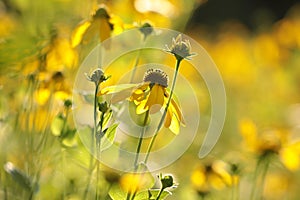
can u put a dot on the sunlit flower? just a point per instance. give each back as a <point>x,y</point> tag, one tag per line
<point>271,142</point>
<point>133,182</point>
<point>151,95</point>
<point>101,24</point>
<point>181,49</point>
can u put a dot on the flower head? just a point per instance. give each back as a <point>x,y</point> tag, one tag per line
<point>97,76</point>
<point>156,76</point>
<point>271,142</point>
<point>181,49</point>
<point>211,176</point>
<point>150,95</point>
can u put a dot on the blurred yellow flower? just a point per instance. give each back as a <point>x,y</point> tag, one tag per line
<point>215,175</point>
<point>133,182</point>
<point>276,186</point>
<point>7,24</point>
<point>271,141</point>
<point>151,95</point>
<point>267,51</point>
<point>101,24</point>
<point>60,55</point>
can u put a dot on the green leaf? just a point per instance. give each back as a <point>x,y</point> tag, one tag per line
<point>152,194</point>
<point>57,125</point>
<point>116,193</point>
<point>107,117</point>
<point>109,137</point>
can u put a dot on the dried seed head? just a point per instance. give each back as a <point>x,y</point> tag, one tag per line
<point>156,76</point>
<point>181,49</point>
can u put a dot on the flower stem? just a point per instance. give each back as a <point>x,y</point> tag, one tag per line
<point>178,61</point>
<point>159,194</point>
<point>138,150</point>
<point>259,177</point>
<point>234,189</point>
<point>98,151</point>
<point>92,143</point>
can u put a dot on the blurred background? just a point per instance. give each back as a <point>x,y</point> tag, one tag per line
<point>255,44</point>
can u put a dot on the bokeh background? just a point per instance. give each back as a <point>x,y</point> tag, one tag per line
<point>255,44</point>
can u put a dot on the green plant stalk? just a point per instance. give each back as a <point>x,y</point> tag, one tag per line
<point>234,189</point>
<point>138,150</point>
<point>92,143</point>
<point>159,194</point>
<point>98,148</point>
<point>178,61</point>
<point>259,177</point>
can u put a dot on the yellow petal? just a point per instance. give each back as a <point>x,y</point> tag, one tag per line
<point>79,32</point>
<point>290,158</point>
<point>42,96</point>
<point>175,125</point>
<point>249,133</point>
<point>177,111</point>
<point>198,178</point>
<point>168,119</point>
<point>155,99</point>
<point>117,88</point>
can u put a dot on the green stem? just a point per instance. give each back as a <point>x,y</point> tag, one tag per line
<point>165,110</point>
<point>92,143</point>
<point>128,196</point>
<point>98,146</point>
<point>159,194</point>
<point>259,177</point>
<point>141,140</point>
<point>234,189</point>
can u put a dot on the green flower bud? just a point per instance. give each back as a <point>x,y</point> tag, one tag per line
<point>103,107</point>
<point>167,181</point>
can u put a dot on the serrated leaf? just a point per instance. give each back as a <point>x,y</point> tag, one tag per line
<point>57,126</point>
<point>109,137</point>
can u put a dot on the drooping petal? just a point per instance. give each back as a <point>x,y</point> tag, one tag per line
<point>79,32</point>
<point>177,111</point>
<point>168,119</point>
<point>117,88</point>
<point>120,92</point>
<point>290,156</point>
<point>155,99</point>
<point>175,125</point>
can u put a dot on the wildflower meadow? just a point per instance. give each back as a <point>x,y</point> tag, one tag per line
<point>148,100</point>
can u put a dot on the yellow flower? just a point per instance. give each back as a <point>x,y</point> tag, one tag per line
<point>101,24</point>
<point>214,175</point>
<point>133,182</point>
<point>271,141</point>
<point>151,95</point>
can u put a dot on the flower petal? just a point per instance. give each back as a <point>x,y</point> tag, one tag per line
<point>155,99</point>
<point>177,111</point>
<point>78,33</point>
